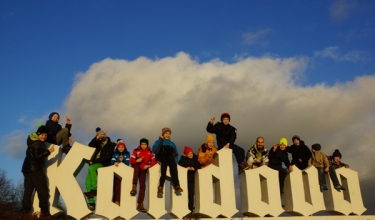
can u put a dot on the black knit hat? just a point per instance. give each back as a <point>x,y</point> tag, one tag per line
<point>296,137</point>
<point>316,147</point>
<point>143,140</point>
<point>225,115</point>
<point>42,129</point>
<point>336,153</point>
<point>52,114</point>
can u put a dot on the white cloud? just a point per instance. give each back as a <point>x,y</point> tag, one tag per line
<point>135,99</point>
<point>15,144</point>
<point>334,53</point>
<point>256,37</point>
<point>341,9</point>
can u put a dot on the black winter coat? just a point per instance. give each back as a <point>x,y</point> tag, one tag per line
<point>53,129</point>
<point>301,151</point>
<point>224,133</point>
<point>277,158</point>
<point>36,154</point>
<point>106,151</point>
<point>187,162</point>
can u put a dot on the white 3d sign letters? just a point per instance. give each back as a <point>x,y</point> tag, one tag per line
<point>214,190</point>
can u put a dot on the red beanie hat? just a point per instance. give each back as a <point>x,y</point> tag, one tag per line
<point>121,144</point>
<point>187,150</point>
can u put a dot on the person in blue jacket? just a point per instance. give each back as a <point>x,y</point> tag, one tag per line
<point>167,155</point>
<point>120,155</point>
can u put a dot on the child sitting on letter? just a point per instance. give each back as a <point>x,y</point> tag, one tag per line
<point>142,158</point>
<point>190,161</point>
<point>121,155</point>
<point>207,151</point>
<point>166,153</point>
<point>320,161</point>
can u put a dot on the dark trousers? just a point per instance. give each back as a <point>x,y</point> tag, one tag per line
<point>165,162</point>
<point>333,175</point>
<point>140,175</point>
<point>191,195</point>
<point>239,153</point>
<point>116,189</point>
<point>36,180</point>
<point>322,178</point>
<point>282,175</point>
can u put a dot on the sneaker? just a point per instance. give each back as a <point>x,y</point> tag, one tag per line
<point>178,189</point>
<point>323,187</point>
<point>339,187</point>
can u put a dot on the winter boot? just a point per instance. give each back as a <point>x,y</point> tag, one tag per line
<point>178,189</point>
<point>66,148</point>
<point>141,208</point>
<point>134,190</point>
<point>242,167</point>
<point>91,206</point>
<point>160,191</point>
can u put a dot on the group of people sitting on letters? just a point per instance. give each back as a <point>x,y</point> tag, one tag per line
<point>164,151</point>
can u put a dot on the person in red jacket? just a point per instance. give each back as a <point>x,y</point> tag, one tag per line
<point>141,159</point>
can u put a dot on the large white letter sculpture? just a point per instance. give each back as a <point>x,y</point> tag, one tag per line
<point>61,177</point>
<point>218,177</point>
<point>214,190</point>
<point>302,195</point>
<point>260,194</point>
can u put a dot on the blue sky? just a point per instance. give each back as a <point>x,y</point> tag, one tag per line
<point>66,55</point>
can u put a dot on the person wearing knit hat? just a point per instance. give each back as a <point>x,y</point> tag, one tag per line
<point>33,170</point>
<point>120,155</point>
<point>58,135</point>
<point>335,160</point>
<point>207,151</point>
<point>300,153</point>
<point>190,161</point>
<point>277,156</point>
<point>320,161</point>
<point>225,138</point>
<point>166,153</point>
<point>101,157</point>
<point>142,159</point>
<point>257,155</point>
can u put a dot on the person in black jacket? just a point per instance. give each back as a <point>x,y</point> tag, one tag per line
<point>33,171</point>
<point>225,137</point>
<point>101,157</point>
<point>58,135</point>
<point>300,153</point>
<point>278,155</point>
<point>190,161</point>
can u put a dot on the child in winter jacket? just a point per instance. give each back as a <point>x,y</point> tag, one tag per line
<point>320,161</point>
<point>335,160</point>
<point>277,156</point>
<point>33,171</point>
<point>142,158</point>
<point>166,154</point>
<point>207,151</point>
<point>58,135</point>
<point>121,155</point>
<point>190,161</point>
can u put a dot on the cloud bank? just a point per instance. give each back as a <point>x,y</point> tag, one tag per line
<point>135,99</point>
